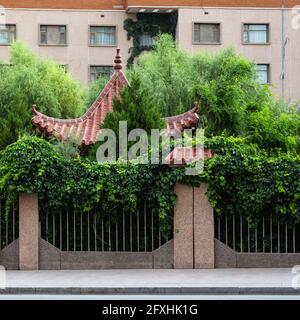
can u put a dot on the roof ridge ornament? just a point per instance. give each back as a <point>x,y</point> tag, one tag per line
<point>118,61</point>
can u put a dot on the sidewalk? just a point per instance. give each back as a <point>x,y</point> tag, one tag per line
<point>216,281</point>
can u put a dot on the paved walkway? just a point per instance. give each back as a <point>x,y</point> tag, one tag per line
<point>218,281</point>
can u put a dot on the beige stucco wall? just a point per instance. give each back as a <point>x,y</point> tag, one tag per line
<point>231,20</point>
<point>78,55</point>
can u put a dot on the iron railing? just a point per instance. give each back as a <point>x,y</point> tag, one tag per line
<point>9,225</point>
<point>266,236</point>
<point>133,232</point>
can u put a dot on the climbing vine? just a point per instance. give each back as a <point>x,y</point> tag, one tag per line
<point>242,180</point>
<point>151,24</point>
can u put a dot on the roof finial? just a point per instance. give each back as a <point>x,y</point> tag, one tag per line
<point>118,61</point>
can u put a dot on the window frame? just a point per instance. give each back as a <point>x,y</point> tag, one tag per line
<point>268,73</point>
<point>102,45</point>
<point>10,43</point>
<point>98,65</point>
<point>268,24</point>
<point>51,44</point>
<point>194,42</point>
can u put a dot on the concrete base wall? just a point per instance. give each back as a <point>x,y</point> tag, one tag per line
<point>9,256</point>
<point>52,258</point>
<point>225,257</point>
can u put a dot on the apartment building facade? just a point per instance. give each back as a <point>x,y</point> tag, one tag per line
<point>83,35</point>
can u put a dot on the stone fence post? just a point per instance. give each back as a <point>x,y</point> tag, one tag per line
<point>28,231</point>
<point>193,229</point>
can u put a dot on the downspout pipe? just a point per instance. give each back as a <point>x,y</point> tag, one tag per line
<point>283,43</point>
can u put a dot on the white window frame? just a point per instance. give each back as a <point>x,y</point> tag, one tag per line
<point>248,31</point>
<point>103,45</point>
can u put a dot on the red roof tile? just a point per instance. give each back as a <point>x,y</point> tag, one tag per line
<point>87,127</point>
<point>185,155</point>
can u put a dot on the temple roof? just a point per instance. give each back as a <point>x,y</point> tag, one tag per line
<point>87,127</point>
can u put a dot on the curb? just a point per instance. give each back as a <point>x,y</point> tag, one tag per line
<point>153,291</point>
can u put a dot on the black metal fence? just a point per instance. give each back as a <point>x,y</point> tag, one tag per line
<point>9,224</point>
<point>266,236</point>
<point>133,232</point>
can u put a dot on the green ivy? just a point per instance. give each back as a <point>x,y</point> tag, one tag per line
<point>242,180</point>
<point>152,24</point>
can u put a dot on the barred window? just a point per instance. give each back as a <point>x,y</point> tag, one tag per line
<point>100,71</point>
<point>207,33</point>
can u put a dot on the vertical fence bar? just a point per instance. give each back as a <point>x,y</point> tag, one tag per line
<point>271,233</point>
<point>46,218</point>
<point>256,238</point>
<point>74,232</point>
<point>263,240</point>
<point>226,235</point>
<point>286,238</point>
<point>53,230</point>
<point>124,237</point>
<point>81,233</point>
<point>249,249</point>
<point>13,222</point>
<point>241,232</point>
<point>233,232</point>
<point>117,236</point>
<point>159,232</point>
<point>109,234</point>
<point>95,232</point>
<point>152,231</point>
<point>102,232</point>
<point>294,240</point>
<point>60,231</point>
<point>88,231</point>
<point>130,230</point>
<point>145,226</point>
<point>0,223</point>
<point>68,247</point>
<point>219,228</point>
<point>278,234</point>
<point>6,230</point>
<point>138,229</point>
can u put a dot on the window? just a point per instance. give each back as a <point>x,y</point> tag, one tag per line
<point>100,71</point>
<point>64,67</point>
<point>53,35</point>
<point>7,34</point>
<point>103,36</point>
<point>206,33</point>
<point>146,40</point>
<point>256,33</point>
<point>263,73</point>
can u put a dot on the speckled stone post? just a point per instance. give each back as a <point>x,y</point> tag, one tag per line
<point>183,228</point>
<point>29,231</point>
<point>193,229</point>
<point>204,249</point>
